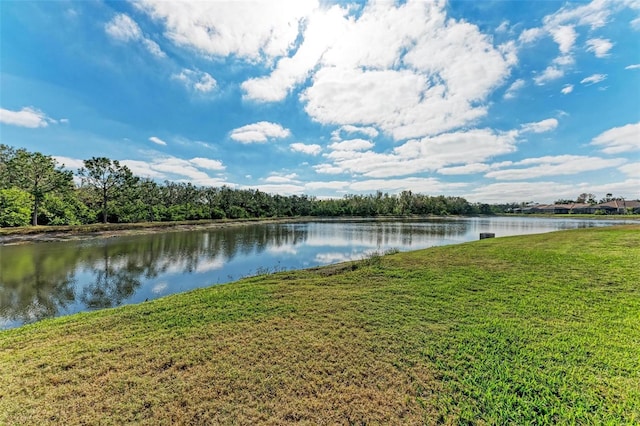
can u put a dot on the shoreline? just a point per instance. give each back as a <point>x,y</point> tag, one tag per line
<point>37,234</point>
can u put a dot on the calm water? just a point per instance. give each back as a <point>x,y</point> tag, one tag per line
<point>50,279</point>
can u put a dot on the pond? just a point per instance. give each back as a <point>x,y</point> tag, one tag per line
<point>50,279</point>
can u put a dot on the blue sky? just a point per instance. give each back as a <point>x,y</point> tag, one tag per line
<point>495,101</point>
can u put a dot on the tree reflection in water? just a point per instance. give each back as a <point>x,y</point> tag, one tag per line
<point>47,279</point>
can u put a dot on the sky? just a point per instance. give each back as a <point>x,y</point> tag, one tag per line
<point>494,101</point>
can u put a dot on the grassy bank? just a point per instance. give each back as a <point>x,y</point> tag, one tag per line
<point>539,329</point>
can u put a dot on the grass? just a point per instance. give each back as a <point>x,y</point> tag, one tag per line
<point>539,329</point>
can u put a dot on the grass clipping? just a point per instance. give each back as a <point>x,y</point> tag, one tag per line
<point>539,329</point>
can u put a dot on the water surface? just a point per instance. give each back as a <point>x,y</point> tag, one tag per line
<point>44,280</point>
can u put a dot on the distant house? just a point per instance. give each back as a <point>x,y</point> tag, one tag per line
<point>573,208</point>
<point>611,207</point>
<point>617,207</point>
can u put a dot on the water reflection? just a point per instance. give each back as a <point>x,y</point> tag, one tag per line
<point>50,279</point>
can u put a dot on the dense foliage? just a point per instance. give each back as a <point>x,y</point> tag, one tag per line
<point>107,191</point>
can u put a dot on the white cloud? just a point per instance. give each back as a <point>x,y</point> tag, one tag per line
<point>68,162</point>
<point>516,192</point>
<point>334,185</point>
<point>565,36</point>
<point>550,73</point>
<point>467,169</point>
<point>541,126</point>
<point>177,169</point>
<point>352,145</point>
<point>632,67</point>
<point>279,178</point>
<point>619,139</point>
<point>554,166</point>
<point>207,163</point>
<point>422,155</point>
<point>568,88</point>
<point>125,29</point>
<point>503,27</point>
<point>311,149</point>
<point>416,184</point>
<point>530,35</point>
<point>593,79</point>
<point>631,169</point>
<point>157,141</point>
<point>367,131</point>
<point>594,14</point>
<point>259,132</point>
<point>153,48</point>
<point>250,30</point>
<point>599,46</point>
<point>27,117</point>
<point>530,191</point>
<point>515,87</point>
<point>322,30</point>
<point>196,80</point>
<point>434,73</point>
<point>561,26</point>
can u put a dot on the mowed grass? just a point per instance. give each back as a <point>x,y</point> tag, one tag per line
<point>539,329</point>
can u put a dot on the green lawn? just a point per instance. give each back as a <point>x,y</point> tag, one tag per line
<point>538,329</point>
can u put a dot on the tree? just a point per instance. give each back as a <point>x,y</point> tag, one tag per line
<point>14,210</point>
<point>105,177</point>
<point>6,154</point>
<point>563,201</point>
<point>38,175</point>
<point>586,198</point>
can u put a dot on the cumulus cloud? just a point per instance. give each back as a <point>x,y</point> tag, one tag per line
<point>251,30</point>
<point>599,46</point>
<point>259,132</point>
<point>125,29</point>
<point>568,88</point>
<point>541,126</point>
<point>196,80</point>
<point>554,166</point>
<point>27,117</point>
<point>421,155</point>
<point>593,79</point>
<point>157,141</point>
<point>432,71</point>
<point>310,149</point>
<point>632,67</point>
<point>619,139</point>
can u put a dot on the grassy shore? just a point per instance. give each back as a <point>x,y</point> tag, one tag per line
<point>537,329</point>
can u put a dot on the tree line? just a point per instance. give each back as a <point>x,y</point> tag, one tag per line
<point>36,190</point>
